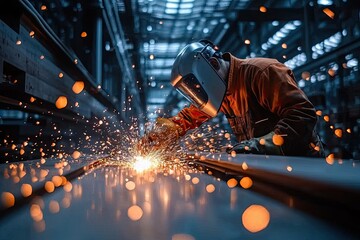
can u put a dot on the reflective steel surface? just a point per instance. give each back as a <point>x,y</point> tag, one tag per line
<point>112,199</point>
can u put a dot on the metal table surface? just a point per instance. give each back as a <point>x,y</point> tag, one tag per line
<point>195,199</point>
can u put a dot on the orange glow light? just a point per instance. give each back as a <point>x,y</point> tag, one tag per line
<point>83,35</point>
<point>78,87</point>
<point>330,159</point>
<point>49,186</point>
<point>210,188</point>
<point>36,213</point>
<point>255,218</point>
<point>130,185</point>
<point>338,132</point>
<point>76,154</point>
<point>26,190</point>
<point>135,212</point>
<point>195,180</point>
<point>61,102</point>
<point>8,199</point>
<point>232,182</point>
<point>263,9</point>
<point>246,182</point>
<point>329,13</point>
<point>306,76</point>
<point>57,180</point>
<point>68,187</point>
<point>331,72</point>
<point>278,140</point>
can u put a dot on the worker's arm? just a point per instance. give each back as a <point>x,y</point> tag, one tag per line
<point>166,131</point>
<point>190,118</point>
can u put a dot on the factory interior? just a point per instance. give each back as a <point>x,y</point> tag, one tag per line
<point>82,80</point>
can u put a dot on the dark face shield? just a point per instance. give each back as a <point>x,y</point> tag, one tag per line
<point>192,90</point>
<point>197,80</point>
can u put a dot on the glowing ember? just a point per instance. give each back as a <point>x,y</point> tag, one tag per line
<point>319,112</point>
<point>61,102</point>
<point>278,140</point>
<point>78,87</point>
<point>76,154</point>
<point>67,187</point>
<point>49,186</point>
<point>26,190</point>
<point>210,188</point>
<point>256,218</point>
<point>329,13</point>
<point>135,212</point>
<point>246,182</point>
<point>130,185</point>
<point>8,199</point>
<point>338,132</point>
<point>195,180</point>
<point>232,182</point>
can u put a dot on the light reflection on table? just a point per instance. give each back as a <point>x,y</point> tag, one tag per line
<point>116,202</point>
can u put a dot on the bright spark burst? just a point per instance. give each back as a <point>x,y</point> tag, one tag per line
<point>145,163</point>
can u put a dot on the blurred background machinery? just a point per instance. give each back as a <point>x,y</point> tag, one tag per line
<point>111,59</point>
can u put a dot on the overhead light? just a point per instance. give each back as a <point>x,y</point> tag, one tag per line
<point>172,5</point>
<point>325,2</point>
<point>185,11</point>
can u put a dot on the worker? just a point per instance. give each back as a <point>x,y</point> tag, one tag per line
<point>267,111</point>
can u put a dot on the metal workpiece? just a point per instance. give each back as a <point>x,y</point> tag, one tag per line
<point>201,196</point>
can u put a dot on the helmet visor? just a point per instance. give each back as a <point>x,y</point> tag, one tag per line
<point>192,90</point>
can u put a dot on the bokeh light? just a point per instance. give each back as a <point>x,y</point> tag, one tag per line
<point>255,218</point>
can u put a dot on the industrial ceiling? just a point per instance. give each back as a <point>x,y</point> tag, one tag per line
<point>146,35</point>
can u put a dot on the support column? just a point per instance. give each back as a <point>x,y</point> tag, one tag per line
<point>98,47</point>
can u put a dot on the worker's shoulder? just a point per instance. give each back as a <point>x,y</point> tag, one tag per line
<point>260,63</point>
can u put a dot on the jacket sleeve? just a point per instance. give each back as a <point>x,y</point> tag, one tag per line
<point>190,118</point>
<point>276,90</point>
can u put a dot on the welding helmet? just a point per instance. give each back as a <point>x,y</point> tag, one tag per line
<point>196,79</point>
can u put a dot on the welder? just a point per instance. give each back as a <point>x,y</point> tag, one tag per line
<point>267,111</point>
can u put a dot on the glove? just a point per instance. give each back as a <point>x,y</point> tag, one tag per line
<point>163,136</point>
<point>268,144</point>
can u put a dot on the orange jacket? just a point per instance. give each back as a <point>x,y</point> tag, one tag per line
<point>263,96</point>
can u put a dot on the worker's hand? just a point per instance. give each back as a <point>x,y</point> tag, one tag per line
<point>268,144</point>
<point>163,136</point>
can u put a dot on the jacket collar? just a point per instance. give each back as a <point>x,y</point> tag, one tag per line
<point>230,80</point>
